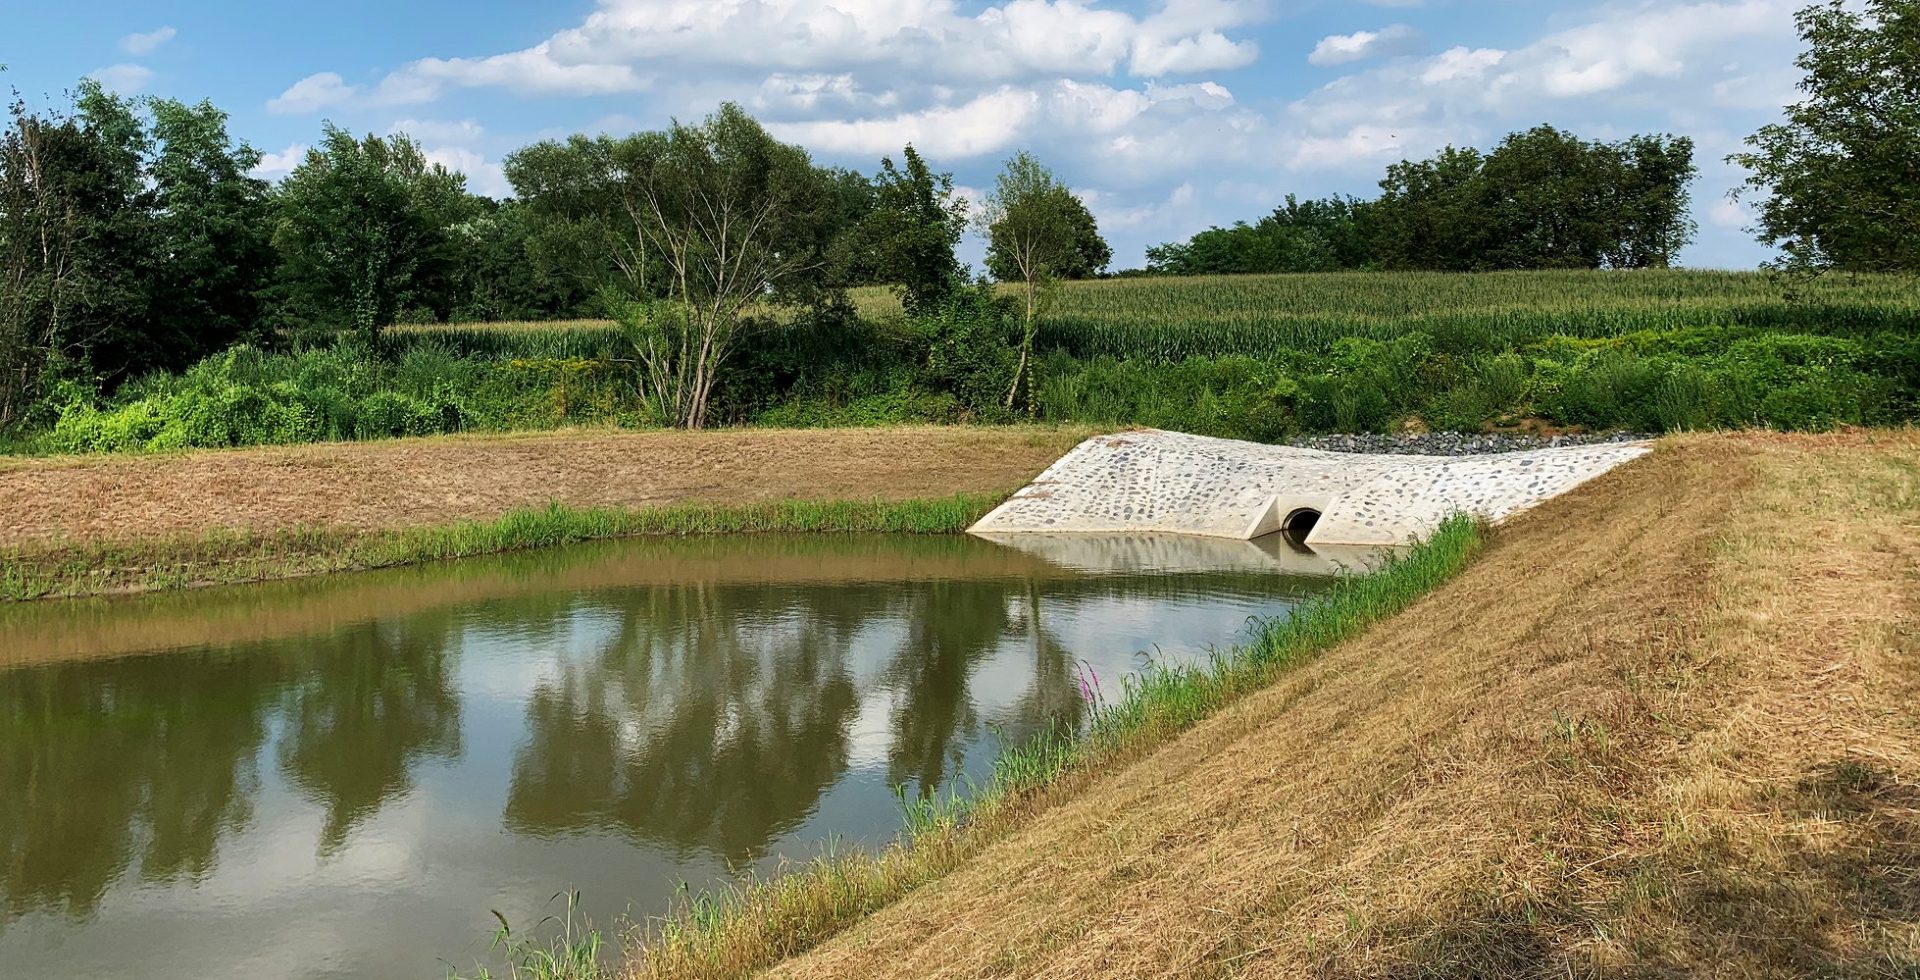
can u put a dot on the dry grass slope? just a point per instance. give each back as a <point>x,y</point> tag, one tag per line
<point>420,482</point>
<point>1667,725</point>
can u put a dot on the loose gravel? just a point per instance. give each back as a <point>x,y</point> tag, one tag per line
<point>1456,443</point>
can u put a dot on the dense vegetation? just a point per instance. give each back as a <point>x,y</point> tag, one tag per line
<point>1248,357</point>
<point>157,296</point>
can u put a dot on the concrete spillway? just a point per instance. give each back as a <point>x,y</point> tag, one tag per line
<point>1166,482</point>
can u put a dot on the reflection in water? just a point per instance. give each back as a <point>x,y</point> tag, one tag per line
<point>708,718</point>
<point>363,714</point>
<point>392,777</point>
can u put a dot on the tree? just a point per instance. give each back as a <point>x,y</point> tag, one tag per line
<point>1037,231</point>
<point>1841,177</point>
<point>1543,199</point>
<point>212,223</point>
<point>908,236</point>
<point>76,246</point>
<point>363,231</point>
<point>582,224</point>
<point>734,218</point>
<point>1299,236</point>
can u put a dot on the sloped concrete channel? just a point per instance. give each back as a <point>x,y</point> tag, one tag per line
<point>1170,483</point>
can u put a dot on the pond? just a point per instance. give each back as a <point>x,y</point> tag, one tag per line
<point>343,777</point>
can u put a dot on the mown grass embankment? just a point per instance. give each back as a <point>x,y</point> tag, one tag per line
<point>1666,725</point>
<point>232,556</point>
<point>763,922</point>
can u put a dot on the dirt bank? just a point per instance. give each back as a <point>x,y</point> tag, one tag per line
<point>1667,725</point>
<point>414,482</point>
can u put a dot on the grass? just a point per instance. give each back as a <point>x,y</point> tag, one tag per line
<point>763,922</point>
<point>1665,725</point>
<point>233,556</point>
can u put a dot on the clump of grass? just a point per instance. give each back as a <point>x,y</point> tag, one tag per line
<point>572,952</point>
<point>232,556</point>
<point>763,921</point>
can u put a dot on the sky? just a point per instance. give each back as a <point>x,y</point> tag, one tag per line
<point>1165,116</point>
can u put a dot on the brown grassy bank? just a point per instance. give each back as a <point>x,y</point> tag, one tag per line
<point>1667,725</point>
<point>84,526</point>
<point>419,482</point>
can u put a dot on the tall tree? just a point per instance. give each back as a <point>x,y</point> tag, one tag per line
<point>908,236</point>
<point>1841,177</point>
<point>1037,231</point>
<point>76,246</point>
<point>213,228</point>
<point>363,231</point>
<point>733,217</point>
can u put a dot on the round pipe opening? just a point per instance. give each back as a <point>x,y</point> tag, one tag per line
<point>1301,522</point>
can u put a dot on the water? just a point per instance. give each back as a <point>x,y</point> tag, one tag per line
<point>342,777</point>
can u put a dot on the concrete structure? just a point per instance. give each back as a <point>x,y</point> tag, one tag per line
<point>1166,482</point>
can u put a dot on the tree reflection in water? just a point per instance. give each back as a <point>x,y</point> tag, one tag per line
<point>705,721</point>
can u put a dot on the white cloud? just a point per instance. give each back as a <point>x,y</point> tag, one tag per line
<point>483,177</point>
<point>313,93</point>
<point>1388,42</point>
<point>273,166</point>
<point>1731,214</point>
<point>1457,64</point>
<point>627,45</point>
<point>987,124</point>
<point>813,91</point>
<point>148,43</point>
<point>124,79</point>
<point>461,133</point>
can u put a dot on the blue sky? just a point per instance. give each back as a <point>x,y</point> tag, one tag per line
<point>1165,115</point>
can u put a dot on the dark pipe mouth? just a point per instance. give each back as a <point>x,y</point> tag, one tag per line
<point>1301,521</point>
<point>1298,525</point>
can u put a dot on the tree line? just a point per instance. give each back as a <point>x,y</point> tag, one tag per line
<point>134,237</point>
<point>1542,199</point>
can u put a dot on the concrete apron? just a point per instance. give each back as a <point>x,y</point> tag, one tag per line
<point>1154,482</point>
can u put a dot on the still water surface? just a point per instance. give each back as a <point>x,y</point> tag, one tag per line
<point>341,777</point>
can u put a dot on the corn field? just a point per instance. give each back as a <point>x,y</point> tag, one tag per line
<point>1171,319</point>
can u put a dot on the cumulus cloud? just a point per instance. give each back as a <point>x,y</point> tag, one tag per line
<point>1340,49</point>
<point>625,45</point>
<point>1731,214</point>
<point>148,43</point>
<point>273,166</point>
<point>986,124</point>
<point>124,79</point>
<point>483,176</point>
<point>1413,106</point>
<point>313,93</point>
<point>460,133</point>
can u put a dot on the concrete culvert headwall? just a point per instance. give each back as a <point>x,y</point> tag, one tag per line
<point>1166,482</point>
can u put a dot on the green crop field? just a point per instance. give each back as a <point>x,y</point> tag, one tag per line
<point>1176,318</point>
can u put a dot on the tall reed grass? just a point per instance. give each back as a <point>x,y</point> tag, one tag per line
<point>761,922</point>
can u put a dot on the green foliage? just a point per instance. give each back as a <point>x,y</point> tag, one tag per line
<point>1299,236</point>
<point>1543,199</point>
<point>1255,358</point>
<point>248,397</point>
<point>1037,229</point>
<point>363,232</point>
<point>908,234</point>
<point>1841,176</point>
